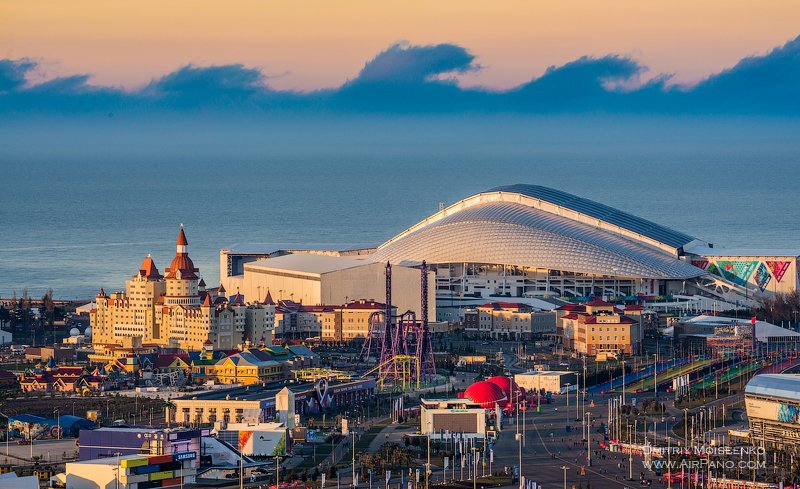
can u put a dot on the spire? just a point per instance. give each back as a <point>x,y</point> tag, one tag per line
<point>238,299</point>
<point>181,266</point>
<point>268,301</point>
<point>102,293</point>
<point>181,238</point>
<point>148,268</point>
<point>207,301</point>
<point>221,290</point>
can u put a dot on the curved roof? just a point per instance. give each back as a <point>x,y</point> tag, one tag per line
<point>500,227</point>
<point>601,212</point>
<point>486,394</point>
<point>779,386</point>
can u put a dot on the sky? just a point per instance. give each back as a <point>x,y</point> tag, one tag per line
<point>507,56</point>
<point>309,45</point>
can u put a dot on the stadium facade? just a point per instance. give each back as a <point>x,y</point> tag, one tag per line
<point>531,242</point>
<point>773,411</point>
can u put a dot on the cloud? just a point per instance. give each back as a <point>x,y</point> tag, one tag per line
<point>194,86</point>
<point>12,74</point>
<point>403,63</point>
<point>422,79</point>
<point>756,84</point>
<point>580,85</point>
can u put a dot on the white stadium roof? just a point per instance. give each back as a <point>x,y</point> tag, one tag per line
<point>781,386</point>
<point>537,227</point>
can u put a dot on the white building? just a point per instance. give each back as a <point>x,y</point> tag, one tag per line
<point>321,279</point>
<point>255,439</point>
<point>438,416</point>
<point>550,381</point>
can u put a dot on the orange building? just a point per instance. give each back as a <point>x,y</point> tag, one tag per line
<point>598,327</point>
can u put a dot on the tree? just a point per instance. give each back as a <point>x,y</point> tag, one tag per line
<point>48,308</point>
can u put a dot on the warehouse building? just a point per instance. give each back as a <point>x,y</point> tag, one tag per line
<point>314,279</point>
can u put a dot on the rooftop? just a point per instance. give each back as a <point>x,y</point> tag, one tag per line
<point>782,386</point>
<point>268,248</point>
<point>308,263</point>
<point>602,212</point>
<point>753,252</point>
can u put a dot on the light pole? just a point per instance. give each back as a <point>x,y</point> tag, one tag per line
<point>564,468</point>
<point>655,376</point>
<point>355,481</point>
<point>518,437</point>
<point>428,465</point>
<point>669,463</point>
<point>588,439</point>
<point>475,469</point>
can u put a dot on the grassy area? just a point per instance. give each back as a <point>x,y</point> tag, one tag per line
<point>364,442</point>
<point>322,452</point>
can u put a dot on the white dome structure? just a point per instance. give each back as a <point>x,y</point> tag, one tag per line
<point>543,228</point>
<point>74,332</point>
<point>88,332</point>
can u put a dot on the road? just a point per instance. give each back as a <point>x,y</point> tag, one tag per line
<point>48,450</point>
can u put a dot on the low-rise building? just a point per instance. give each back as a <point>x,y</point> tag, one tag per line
<point>548,381</point>
<point>257,403</point>
<point>509,320</point>
<point>62,379</point>
<point>133,472</point>
<point>441,417</point>
<point>105,443</point>
<point>598,327</point>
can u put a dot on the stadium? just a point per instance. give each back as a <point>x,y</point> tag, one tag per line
<point>531,243</point>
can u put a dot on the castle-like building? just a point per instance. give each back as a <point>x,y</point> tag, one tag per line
<point>175,310</point>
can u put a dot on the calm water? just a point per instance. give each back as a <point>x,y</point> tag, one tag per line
<point>82,205</point>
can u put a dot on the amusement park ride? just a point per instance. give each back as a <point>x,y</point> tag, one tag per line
<point>400,345</point>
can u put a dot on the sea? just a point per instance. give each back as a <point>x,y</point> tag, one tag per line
<point>84,199</point>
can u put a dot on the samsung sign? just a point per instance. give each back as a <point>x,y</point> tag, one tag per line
<point>180,456</point>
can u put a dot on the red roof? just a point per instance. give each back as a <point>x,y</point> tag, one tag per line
<point>599,303</point>
<point>183,263</point>
<point>571,315</point>
<point>486,394</point>
<point>365,304</point>
<point>181,238</point>
<point>207,300</point>
<point>148,269</point>
<point>510,388</point>
<point>163,361</point>
<point>505,305</point>
<point>571,307</point>
<point>221,289</point>
<point>268,300</point>
<point>622,320</point>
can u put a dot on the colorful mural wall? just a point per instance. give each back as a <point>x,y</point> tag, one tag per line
<point>741,272</point>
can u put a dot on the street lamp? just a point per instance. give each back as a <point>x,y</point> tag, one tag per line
<point>588,439</point>
<point>519,440</point>
<point>564,468</point>
<point>355,481</point>
<point>428,465</point>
